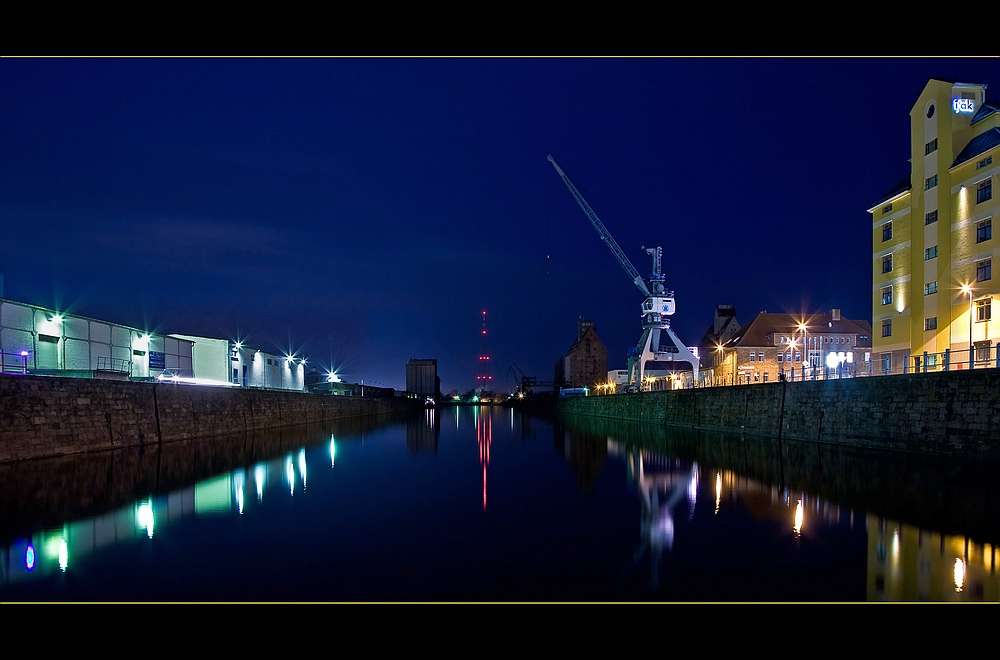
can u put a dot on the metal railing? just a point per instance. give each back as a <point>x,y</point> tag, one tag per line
<point>985,356</point>
<point>14,363</point>
<point>118,365</point>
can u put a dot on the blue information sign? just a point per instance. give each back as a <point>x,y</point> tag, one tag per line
<point>157,360</point>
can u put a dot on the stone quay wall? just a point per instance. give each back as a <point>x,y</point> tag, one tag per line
<point>45,416</point>
<point>954,413</point>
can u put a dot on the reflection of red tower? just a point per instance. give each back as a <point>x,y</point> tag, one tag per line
<point>484,379</point>
<point>484,435</point>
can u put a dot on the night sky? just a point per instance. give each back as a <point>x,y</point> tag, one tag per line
<point>361,212</point>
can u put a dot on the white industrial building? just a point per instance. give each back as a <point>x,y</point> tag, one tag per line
<point>232,362</point>
<point>44,342</point>
<point>47,342</point>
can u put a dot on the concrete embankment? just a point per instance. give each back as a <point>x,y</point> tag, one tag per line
<point>42,416</point>
<point>947,413</point>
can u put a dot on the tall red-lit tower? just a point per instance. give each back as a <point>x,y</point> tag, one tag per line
<point>484,379</point>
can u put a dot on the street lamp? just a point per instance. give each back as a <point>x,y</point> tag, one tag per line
<point>967,288</point>
<point>805,345</point>
<point>788,358</point>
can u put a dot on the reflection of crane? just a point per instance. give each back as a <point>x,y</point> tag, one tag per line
<point>659,303</point>
<point>657,525</point>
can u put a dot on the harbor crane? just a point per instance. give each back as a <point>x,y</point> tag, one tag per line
<point>658,342</point>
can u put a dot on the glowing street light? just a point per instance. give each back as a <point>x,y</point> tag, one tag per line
<point>805,342</point>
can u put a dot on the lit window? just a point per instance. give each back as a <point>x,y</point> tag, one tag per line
<point>984,309</point>
<point>929,288</point>
<point>930,218</point>
<point>930,252</point>
<point>887,263</point>
<point>886,327</point>
<point>984,162</point>
<point>984,190</point>
<point>930,147</point>
<point>886,231</point>
<point>984,270</point>
<point>931,182</point>
<point>931,323</point>
<point>887,295</point>
<point>984,230</point>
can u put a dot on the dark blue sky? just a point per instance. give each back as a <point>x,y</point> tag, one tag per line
<point>365,211</point>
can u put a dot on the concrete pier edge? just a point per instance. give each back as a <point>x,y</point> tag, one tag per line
<point>945,413</point>
<point>46,416</point>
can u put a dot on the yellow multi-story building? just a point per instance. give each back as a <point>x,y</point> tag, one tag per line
<point>932,237</point>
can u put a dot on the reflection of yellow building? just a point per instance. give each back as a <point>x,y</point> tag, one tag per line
<point>909,564</point>
<point>933,233</point>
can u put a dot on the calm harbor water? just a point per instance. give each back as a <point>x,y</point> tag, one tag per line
<point>488,504</point>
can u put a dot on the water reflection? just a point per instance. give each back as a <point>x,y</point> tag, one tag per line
<point>613,512</point>
<point>67,545</point>
<point>484,437</point>
<point>908,563</point>
<point>662,486</point>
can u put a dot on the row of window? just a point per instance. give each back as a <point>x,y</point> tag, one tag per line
<point>984,268</point>
<point>984,312</point>
<point>984,189</point>
<point>820,339</point>
<point>984,272</point>
<point>984,229</point>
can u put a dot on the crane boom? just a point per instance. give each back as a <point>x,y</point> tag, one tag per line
<point>602,230</point>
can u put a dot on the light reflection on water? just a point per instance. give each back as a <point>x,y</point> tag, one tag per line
<point>421,520</point>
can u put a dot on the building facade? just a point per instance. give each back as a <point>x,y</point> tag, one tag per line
<point>795,347</point>
<point>586,362</point>
<point>49,343</point>
<point>422,377</point>
<point>933,290</point>
<point>46,342</point>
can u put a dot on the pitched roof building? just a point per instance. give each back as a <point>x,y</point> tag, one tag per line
<point>773,346</point>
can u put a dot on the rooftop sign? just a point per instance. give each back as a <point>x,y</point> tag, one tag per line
<point>963,105</point>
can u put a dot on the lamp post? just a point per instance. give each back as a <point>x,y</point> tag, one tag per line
<point>788,358</point>
<point>805,344</point>
<point>967,288</point>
